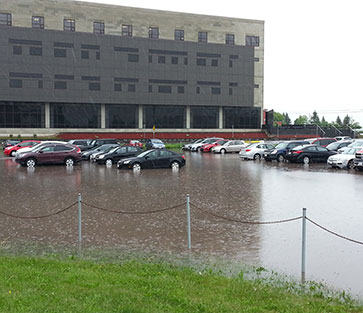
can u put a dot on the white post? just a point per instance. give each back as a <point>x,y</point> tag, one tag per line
<point>189,228</point>
<point>103,115</point>
<point>79,219</point>
<point>303,250</point>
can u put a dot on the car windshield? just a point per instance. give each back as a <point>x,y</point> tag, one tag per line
<point>282,145</point>
<point>197,141</point>
<point>350,151</point>
<point>357,143</point>
<point>113,149</point>
<point>157,141</point>
<point>333,145</point>
<point>107,148</point>
<point>142,154</point>
<point>92,143</point>
<point>228,143</point>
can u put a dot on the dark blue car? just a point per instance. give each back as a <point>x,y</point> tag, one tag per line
<point>280,151</point>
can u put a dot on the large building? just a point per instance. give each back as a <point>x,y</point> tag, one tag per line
<point>71,66</point>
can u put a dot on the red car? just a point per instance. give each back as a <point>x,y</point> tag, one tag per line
<point>24,144</point>
<point>208,146</point>
<point>135,143</point>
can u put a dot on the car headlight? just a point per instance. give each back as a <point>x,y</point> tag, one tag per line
<point>126,162</point>
<point>274,152</point>
<point>101,156</point>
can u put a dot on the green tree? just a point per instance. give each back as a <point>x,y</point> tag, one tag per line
<point>314,118</point>
<point>346,121</point>
<point>324,123</point>
<point>278,118</point>
<point>287,120</point>
<point>301,120</point>
<point>338,122</point>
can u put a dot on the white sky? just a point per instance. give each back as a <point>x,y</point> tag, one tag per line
<point>313,50</point>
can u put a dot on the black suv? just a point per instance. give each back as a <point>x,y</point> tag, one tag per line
<point>280,151</point>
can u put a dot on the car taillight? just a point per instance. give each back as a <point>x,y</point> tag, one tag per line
<point>247,150</point>
<point>78,150</point>
<point>183,157</point>
<point>297,152</point>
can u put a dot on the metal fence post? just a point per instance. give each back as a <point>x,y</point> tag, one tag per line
<point>188,218</point>
<point>79,219</point>
<point>303,248</point>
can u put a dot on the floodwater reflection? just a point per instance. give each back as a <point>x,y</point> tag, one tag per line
<point>220,184</point>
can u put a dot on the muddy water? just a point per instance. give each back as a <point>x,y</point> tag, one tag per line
<point>221,184</point>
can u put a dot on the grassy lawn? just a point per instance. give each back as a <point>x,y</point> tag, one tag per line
<point>53,285</point>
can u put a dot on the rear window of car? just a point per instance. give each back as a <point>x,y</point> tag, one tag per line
<point>62,148</point>
<point>165,153</point>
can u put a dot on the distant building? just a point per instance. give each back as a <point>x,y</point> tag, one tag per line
<point>70,65</point>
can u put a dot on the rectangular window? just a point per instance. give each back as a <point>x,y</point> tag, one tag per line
<point>179,34</point>
<point>98,55</point>
<point>60,53</point>
<point>185,61</point>
<point>253,41</point>
<point>69,25</point>
<point>17,50</point>
<point>256,86</point>
<point>126,30</point>
<point>216,91</point>
<point>5,19</point>
<point>35,51</point>
<point>60,85</point>
<point>202,62</point>
<point>180,89</point>
<point>117,87</point>
<point>16,83</point>
<point>150,59</point>
<point>202,37</point>
<point>229,39</point>
<point>98,27</point>
<point>94,86</point>
<point>154,32</point>
<point>40,84</point>
<point>230,63</point>
<point>198,90</point>
<point>164,89</point>
<point>174,60</point>
<point>38,22</point>
<point>256,59</point>
<point>161,59</point>
<point>214,62</point>
<point>230,91</point>
<point>84,54</point>
<point>132,88</point>
<point>133,58</point>
<point>150,88</point>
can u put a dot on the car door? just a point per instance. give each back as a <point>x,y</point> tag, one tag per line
<point>119,154</point>
<point>132,151</point>
<point>323,154</point>
<point>164,159</point>
<point>312,153</point>
<point>150,160</point>
<point>45,154</point>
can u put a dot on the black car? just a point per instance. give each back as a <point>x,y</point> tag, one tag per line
<point>157,158</point>
<point>335,146</point>
<point>279,152</point>
<point>83,144</point>
<point>309,153</point>
<point>117,154</point>
<point>87,154</point>
<point>95,143</point>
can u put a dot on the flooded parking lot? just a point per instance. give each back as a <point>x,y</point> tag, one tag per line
<point>220,184</point>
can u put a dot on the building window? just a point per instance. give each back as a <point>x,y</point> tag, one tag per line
<point>117,87</point>
<point>133,58</point>
<point>38,22</point>
<point>202,62</point>
<point>94,86</point>
<point>154,32</point>
<point>5,19</point>
<point>126,30</point>
<point>164,116</point>
<point>230,63</point>
<point>98,27</point>
<point>60,53</point>
<point>216,91</point>
<point>198,90</point>
<point>21,114</point>
<point>164,89</point>
<point>179,34</point>
<point>16,83</point>
<point>17,50</point>
<point>40,84</point>
<point>150,88</point>
<point>161,59</point>
<point>35,51</point>
<point>69,25</point>
<point>229,39</point>
<point>202,37</point>
<point>84,54</point>
<point>122,116</point>
<point>60,85</point>
<point>180,89</point>
<point>98,55</point>
<point>214,62</point>
<point>256,86</point>
<point>230,91</point>
<point>253,41</point>
<point>256,59</point>
<point>204,117</point>
<point>150,58</point>
<point>132,88</point>
<point>185,61</point>
<point>174,60</point>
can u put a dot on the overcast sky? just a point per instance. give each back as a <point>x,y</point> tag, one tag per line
<point>313,50</point>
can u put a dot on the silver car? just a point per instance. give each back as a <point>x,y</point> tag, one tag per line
<point>230,146</point>
<point>255,151</point>
<point>357,143</point>
<point>343,160</point>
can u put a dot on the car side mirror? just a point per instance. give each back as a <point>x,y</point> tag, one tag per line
<point>146,157</point>
<point>40,151</point>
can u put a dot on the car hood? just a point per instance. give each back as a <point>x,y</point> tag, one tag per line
<point>342,157</point>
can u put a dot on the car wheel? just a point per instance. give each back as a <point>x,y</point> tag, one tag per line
<point>257,157</point>
<point>69,161</point>
<point>198,149</point>
<point>136,166</point>
<point>109,162</point>
<point>175,165</point>
<point>280,158</point>
<point>223,151</point>
<point>13,153</point>
<point>350,165</point>
<point>30,162</point>
<point>306,160</point>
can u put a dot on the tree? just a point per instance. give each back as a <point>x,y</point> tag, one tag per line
<point>287,120</point>
<point>301,120</point>
<point>338,121</point>
<point>314,119</point>
<point>324,123</point>
<point>346,121</point>
<point>278,118</point>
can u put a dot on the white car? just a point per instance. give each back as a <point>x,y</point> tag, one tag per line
<point>196,147</point>
<point>230,146</point>
<point>343,160</point>
<point>342,138</point>
<point>255,151</point>
<point>357,143</point>
<point>26,150</point>
<point>188,145</point>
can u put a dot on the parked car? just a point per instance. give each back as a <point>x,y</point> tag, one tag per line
<point>278,153</point>
<point>86,155</point>
<point>323,142</point>
<point>116,154</point>
<point>358,161</point>
<point>357,143</point>
<point>81,143</point>
<point>196,147</point>
<point>230,146</point>
<point>136,143</point>
<point>154,144</point>
<point>343,160</point>
<point>10,143</point>
<point>255,151</point>
<point>95,143</point>
<point>208,146</point>
<point>335,146</point>
<point>338,138</point>
<point>156,158</point>
<point>11,151</point>
<point>51,153</point>
<point>187,146</point>
<point>36,146</point>
<point>308,154</point>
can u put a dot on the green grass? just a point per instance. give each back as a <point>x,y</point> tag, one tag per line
<point>73,285</point>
